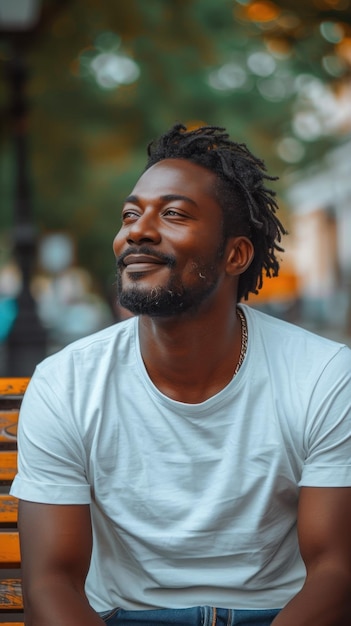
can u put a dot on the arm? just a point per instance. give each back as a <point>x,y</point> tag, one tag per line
<point>56,543</point>
<point>324,530</point>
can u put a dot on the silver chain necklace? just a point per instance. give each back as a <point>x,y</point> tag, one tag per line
<point>244,336</point>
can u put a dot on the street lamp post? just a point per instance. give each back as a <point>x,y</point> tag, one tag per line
<point>26,342</point>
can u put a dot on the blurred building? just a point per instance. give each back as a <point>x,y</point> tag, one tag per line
<point>321,228</point>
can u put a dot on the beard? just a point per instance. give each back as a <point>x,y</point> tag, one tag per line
<point>174,297</point>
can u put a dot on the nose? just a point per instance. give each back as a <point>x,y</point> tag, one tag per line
<point>144,229</point>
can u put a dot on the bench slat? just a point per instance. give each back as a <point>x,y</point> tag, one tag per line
<point>8,509</point>
<point>8,465</point>
<point>11,595</point>
<point>13,386</point>
<point>9,549</point>
<point>8,426</point>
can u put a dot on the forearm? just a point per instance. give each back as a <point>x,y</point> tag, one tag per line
<point>325,600</point>
<point>58,604</point>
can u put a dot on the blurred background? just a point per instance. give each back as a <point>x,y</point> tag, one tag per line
<point>85,85</point>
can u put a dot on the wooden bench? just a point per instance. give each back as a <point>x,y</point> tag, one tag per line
<point>11,605</point>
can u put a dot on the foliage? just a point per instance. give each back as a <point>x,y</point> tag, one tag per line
<point>87,143</point>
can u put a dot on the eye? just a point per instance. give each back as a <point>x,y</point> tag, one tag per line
<point>173,212</point>
<point>129,214</point>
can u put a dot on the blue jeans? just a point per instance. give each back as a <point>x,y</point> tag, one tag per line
<point>195,616</point>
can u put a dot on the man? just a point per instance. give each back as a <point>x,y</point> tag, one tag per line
<point>190,465</point>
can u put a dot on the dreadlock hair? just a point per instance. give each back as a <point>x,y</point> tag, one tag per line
<point>248,206</point>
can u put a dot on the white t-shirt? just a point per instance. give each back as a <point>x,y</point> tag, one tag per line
<point>192,504</point>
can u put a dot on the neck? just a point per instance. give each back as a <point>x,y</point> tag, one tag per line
<point>190,359</point>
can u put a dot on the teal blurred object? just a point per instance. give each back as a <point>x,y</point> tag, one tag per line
<point>8,313</point>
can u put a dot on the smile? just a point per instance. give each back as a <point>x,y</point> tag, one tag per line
<point>141,262</point>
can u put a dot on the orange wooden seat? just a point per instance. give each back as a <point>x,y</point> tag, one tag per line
<point>13,387</point>
<point>11,603</point>
<point>8,426</point>
<point>8,510</point>
<point>9,548</point>
<point>8,466</point>
<point>10,595</point>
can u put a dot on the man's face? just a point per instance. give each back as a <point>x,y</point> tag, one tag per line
<point>170,246</point>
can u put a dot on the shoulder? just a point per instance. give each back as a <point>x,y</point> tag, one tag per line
<point>288,347</point>
<point>90,357</point>
<point>267,326</point>
<point>75,380</point>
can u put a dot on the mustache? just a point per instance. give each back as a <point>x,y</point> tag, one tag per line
<point>164,258</point>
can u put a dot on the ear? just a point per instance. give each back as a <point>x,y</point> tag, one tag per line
<point>239,256</point>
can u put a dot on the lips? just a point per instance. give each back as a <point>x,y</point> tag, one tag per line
<point>133,259</point>
<point>142,262</point>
